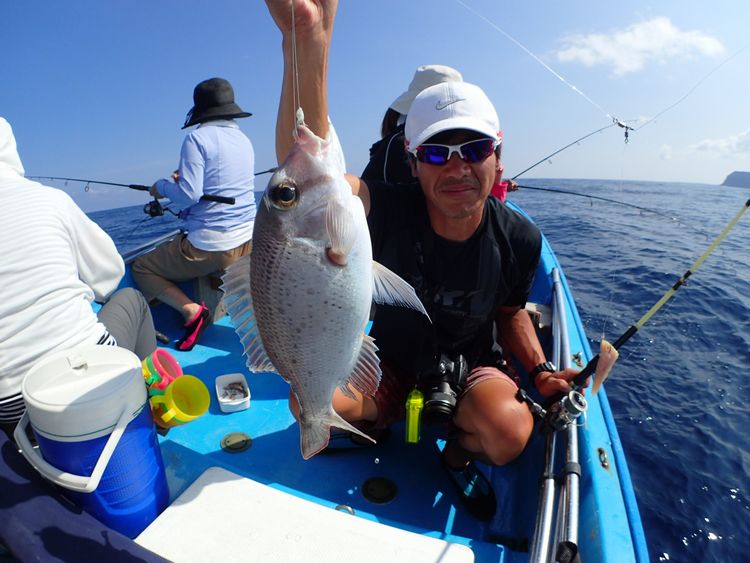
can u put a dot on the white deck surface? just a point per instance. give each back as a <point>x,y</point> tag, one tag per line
<point>225,517</point>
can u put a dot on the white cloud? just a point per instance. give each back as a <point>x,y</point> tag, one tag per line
<point>738,144</point>
<point>630,49</point>
<point>665,152</point>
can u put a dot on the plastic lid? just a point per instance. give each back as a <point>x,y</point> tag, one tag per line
<point>83,391</point>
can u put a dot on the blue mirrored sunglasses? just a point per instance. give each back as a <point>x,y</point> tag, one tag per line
<point>471,152</point>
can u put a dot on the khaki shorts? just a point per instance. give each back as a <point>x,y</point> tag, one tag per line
<point>178,261</point>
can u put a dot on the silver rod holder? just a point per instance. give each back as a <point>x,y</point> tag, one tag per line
<point>567,518</point>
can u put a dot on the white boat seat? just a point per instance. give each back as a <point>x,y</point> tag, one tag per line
<point>223,516</point>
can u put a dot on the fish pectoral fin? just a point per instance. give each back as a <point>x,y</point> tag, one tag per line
<point>608,355</point>
<point>236,278</point>
<point>390,289</point>
<point>365,376</point>
<point>239,303</point>
<point>340,229</point>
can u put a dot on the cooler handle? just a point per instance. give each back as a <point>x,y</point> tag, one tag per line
<point>80,483</point>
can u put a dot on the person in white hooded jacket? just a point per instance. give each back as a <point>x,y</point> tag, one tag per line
<point>55,263</point>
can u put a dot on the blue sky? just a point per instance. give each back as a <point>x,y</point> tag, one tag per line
<point>100,89</point>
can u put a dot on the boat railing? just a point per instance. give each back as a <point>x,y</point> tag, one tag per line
<point>566,524</point>
<point>567,519</point>
<point>148,246</point>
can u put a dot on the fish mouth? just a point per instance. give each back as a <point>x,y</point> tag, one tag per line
<point>310,142</point>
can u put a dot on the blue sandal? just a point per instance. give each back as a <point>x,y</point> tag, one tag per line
<point>474,490</point>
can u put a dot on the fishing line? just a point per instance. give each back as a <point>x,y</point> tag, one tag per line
<point>537,59</point>
<point>623,123</point>
<point>623,203</point>
<point>610,301</point>
<point>558,151</point>
<point>296,97</point>
<point>695,87</point>
<point>580,379</point>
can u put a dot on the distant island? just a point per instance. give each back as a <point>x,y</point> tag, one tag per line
<point>738,179</point>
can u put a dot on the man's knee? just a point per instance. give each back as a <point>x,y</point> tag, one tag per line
<point>130,295</point>
<point>506,433</point>
<point>137,266</point>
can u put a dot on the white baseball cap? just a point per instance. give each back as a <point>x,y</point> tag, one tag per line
<point>424,77</point>
<point>450,105</point>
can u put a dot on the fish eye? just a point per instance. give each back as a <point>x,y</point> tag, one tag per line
<point>283,196</point>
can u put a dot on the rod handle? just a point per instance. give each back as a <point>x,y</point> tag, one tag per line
<point>218,199</point>
<point>577,381</point>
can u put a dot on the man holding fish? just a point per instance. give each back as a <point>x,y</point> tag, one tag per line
<point>470,259</point>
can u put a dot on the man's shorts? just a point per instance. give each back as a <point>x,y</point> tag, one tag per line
<point>394,388</point>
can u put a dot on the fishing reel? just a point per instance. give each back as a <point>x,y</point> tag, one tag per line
<point>153,208</point>
<point>565,411</point>
<point>560,413</point>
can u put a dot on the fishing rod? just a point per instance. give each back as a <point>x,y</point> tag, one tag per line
<point>558,151</point>
<point>580,379</point>
<point>600,198</point>
<point>273,169</point>
<point>140,187</point>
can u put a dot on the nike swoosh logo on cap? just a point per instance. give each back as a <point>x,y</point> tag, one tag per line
<point>439,105</point>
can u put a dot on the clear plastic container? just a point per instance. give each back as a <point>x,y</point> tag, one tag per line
<point>233,392</point>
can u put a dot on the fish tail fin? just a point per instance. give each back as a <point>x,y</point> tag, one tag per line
<point>314,436</point>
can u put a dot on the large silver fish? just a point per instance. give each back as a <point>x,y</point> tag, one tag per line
<point>300,302</point>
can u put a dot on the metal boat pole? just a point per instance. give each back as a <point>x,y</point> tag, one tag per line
<point>542,539</point>
<point>566,533</point>
<point>539,551</point>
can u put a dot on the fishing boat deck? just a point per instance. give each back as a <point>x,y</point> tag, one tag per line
<point>424,499</point>
<point>362,480</point>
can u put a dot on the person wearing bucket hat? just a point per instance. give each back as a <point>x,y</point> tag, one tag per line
<point>56,262</point>
<point>388,160</point>
<point>213,99</point>
<point>470,259</point>
<point>217,159</point>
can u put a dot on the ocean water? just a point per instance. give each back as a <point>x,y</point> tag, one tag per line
<point>680,390</point>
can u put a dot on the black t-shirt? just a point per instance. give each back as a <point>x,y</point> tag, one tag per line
<point>461,284</point>
<point>389,161</point>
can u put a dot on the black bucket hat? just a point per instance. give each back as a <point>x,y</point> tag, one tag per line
<point>213,99</point>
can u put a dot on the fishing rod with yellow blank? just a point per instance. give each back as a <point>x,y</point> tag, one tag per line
<point>580,379</point>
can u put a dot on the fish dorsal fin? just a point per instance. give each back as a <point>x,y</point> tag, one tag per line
<point>239,303</point>
<point>365,376</point>
<point>390,289</point>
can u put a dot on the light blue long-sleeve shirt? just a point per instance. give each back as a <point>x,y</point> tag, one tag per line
<point>216,159</point>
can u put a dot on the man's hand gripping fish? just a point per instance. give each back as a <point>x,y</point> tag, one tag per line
<point>301,300</point>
